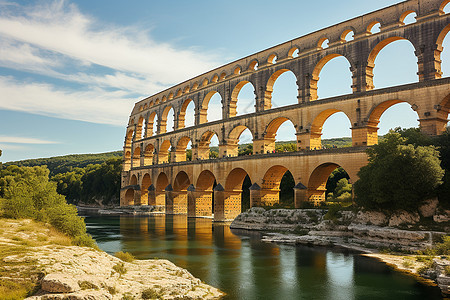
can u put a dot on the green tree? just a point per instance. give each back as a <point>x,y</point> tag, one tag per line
<point>28,193</point>
<point>398,175</point>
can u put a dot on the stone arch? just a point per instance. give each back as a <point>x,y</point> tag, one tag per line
<point>182,113</point>
<point>269,86</point>
<point>442,6</point>
<point>148,154</point>
<point>215,78</point>
<point>140,127</point>
<point>373,55</point>
<point>181,182</point>
<point>270,189</point>
<point>163,153</point>
<point>151,123</point>
<point>180,149</point>
<point>205,82</point>
<point>129,138</point>
<point>374,118</point>
<point>234,97</point>
<point>146,182</point>
<point>345,34</point>
<point>137,157</point>
<point>204,106</point>
<point>236,132</point>
<point>272,58</point>
<point>315,73</point>
<point>170,97</point>
<point>317,182</point>
<point>443,114</point>
<point>270,134</point>
<point>179,92</point>
<point>129,197</point>
<point>237,70</point>
<point>162,181</point>
<point>157,101</point>
<point>163,119</point>
<point>440,48</point>
<point>223,75</point>
<point>235,179</point>
<point>163,99</point>
<point>194,86</point>
<point>253,65</point>
<point>293,51</point>
<point>203,150</point>
<point>321,43</point>
<point>133,180</point>
<point>404,15</point>
<point>315,131</point>
<point>205,181</point>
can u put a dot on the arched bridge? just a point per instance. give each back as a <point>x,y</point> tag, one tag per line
<point>157,172</point>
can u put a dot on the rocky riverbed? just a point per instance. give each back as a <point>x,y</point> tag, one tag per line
<point>368,232</point>
<point>36,256</point>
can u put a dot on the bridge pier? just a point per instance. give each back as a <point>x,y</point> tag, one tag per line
<point>433,126</point>
<point>263,146</point>
<point>364,135</point>
<point>176,201</point>
<point>227,204</point>
<point>300,195</point>
<point>199,202</point>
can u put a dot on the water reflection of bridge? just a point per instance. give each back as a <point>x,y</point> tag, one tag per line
<point>186,187</point>
<point>239,263</point>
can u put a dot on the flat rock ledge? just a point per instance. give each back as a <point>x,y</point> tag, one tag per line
<point>86,274</point>
<point>367,232</point>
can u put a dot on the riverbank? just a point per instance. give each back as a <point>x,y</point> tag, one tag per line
<point>37,260</point>
<point>356,231</point>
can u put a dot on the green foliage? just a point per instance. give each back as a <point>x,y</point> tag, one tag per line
<point>150,293</point>
<point>245,149</point>
<point>334,177</point>
<point>281,147</point>
<point>120,268</point>
<point>125,256</point>
<point>337,142</point>
<point>333,212</point>
<point>287,190</point>
<point>63,164</point>
<point>398,175</point>
<point>27,193</point>
<point>87,285</point>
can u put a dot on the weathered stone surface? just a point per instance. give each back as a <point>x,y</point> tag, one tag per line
<point>428,207</point>
<point>442,215</point>
<point>403,217</point>
<point>59,283</point>
<point>84,273</point>
<point>371,218</point>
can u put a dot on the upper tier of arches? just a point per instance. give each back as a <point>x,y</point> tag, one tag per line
<point>343,36</point>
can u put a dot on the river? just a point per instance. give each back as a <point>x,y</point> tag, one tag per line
<point>242,266</point>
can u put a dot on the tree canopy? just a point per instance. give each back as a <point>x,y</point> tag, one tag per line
<point>399,175</point>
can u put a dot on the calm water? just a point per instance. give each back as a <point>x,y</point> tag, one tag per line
<point>238,263</point>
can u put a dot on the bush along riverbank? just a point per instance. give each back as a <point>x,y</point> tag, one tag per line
<point>45,252</point>
<point>412,236</point>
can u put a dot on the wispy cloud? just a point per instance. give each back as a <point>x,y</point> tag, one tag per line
<point>96,106</point>
<point>24,140</point>
<point>55,39</point>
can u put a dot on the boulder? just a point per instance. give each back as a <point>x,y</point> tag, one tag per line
<point>428,207</point>
<point>403,217</point>
<point>59,283</point>
<point>442,215</point>
<point>371,218</point>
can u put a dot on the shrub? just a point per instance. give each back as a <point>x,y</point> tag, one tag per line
<point>151,294</point>
<point>125,256</point>
<point>120,268</point>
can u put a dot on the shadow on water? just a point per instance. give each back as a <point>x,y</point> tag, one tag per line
<point>238,263</point>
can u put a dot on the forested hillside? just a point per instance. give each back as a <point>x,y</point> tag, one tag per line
<point>66,163</point>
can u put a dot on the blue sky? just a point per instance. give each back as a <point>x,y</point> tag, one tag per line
<point>70,71</point>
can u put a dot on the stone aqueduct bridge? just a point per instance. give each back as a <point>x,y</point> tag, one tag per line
<point>187,186</point>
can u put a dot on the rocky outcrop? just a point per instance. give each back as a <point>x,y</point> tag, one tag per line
<point>83,273</point>
<point>365,231</point>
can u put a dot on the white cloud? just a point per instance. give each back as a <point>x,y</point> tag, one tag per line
<point>24,140</point>
<point>96,106</point>
<point>112,67</point>
<point>62,28</point>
